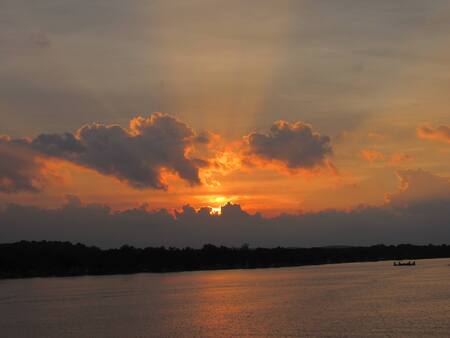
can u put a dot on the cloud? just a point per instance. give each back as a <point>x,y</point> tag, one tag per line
<point>399,158</point>
<point>372,155</point>
<point>418,212</point>
<point>395,159</point>
<point>419,185</point>
<point>141,154</point>
<point>420,222</point>
<point>295,145</point>
<point>136,155</point>
<point>20,170</point>
<point>440,133</point>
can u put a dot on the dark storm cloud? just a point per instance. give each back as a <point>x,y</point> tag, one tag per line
<point>136,155</point>
<point>294,144</point>
<point>19,169</point>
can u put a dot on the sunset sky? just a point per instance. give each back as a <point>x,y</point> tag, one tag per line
<point>285,108</point>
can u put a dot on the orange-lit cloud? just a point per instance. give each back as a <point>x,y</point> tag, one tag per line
<point>23,169</point>
<point>233,170</point>
<point>440,133</point>
<point>395,159</point>
<point>20,169</point>
<point>371,155</point>
<point>399,158</point>
<point>136,156</point>
<point>287,168</point>
<point>293,145</point>
<point>288,148</point>
<point>419,185</point>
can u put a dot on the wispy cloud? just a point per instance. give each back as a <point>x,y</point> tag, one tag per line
<point>440,133</point>
<point>371,155</point>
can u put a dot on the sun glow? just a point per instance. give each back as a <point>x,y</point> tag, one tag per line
<point>218,199</point>
<point>216,202</point>
<point>215,210</point>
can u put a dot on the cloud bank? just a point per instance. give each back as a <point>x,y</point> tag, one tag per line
<point>406,219</point>
<point>421,223</point>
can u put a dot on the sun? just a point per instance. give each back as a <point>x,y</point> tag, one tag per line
<point>215,203</point>
<point>215,210</point>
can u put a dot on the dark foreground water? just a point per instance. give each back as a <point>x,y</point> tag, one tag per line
<point>356,300</point>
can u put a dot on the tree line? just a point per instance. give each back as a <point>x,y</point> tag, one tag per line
<point>48,258</point>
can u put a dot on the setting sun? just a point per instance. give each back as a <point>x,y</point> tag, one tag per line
<point>215,210</point>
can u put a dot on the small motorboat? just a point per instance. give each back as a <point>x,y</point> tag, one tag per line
<point>409,263</point>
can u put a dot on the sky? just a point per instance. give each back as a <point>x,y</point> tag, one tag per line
<point>320,122</point>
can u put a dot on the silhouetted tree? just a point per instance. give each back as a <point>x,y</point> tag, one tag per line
<point>30,259</point>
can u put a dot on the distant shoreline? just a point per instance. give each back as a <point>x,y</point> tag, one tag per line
<point>63,259</point>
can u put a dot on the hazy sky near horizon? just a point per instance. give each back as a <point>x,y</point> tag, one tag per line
<point>278,106</point>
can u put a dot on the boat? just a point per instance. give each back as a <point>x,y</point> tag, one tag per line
<point>409,263</point>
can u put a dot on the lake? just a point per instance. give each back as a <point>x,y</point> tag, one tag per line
<point>336,300</point>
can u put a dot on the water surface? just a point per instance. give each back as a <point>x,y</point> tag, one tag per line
<point>354,300</point>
